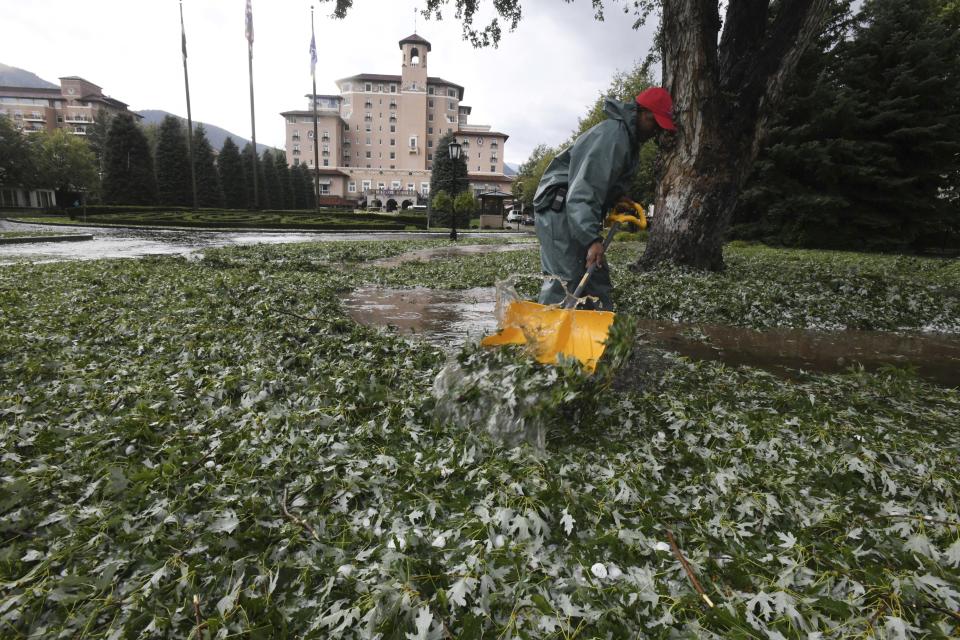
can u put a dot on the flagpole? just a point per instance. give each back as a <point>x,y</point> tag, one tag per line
<point>253,120</point>
<point>316,144</point>
<point>186,84</point>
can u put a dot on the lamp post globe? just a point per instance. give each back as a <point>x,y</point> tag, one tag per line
<point>454,149</point>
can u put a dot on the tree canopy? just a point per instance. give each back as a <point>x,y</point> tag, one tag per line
<point>867,147</point>
<point>128,165</point>
<point>448,175</point>
<point>173,164</point>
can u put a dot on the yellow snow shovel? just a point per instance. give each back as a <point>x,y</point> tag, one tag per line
<point>563,330</point>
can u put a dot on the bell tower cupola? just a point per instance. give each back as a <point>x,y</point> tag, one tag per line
<point>415,51</point>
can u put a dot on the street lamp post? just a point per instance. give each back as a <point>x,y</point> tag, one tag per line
<point>454,150</point>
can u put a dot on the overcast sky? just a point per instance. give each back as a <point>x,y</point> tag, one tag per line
<point>534,87</point>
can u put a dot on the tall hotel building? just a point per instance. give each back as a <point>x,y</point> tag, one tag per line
<point>378,137</point>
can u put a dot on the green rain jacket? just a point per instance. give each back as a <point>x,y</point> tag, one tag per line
<point>596,170</point>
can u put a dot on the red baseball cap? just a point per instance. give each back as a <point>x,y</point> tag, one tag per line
<point>660,104</point>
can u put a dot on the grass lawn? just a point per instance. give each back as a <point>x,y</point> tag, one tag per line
<point>217,440</point>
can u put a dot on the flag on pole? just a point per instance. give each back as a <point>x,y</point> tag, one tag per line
<point>183,35</point>
<point>249,23</point>
<point>313,53</point>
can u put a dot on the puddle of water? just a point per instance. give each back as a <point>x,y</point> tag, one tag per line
<point>449,318</point>
<point>784,351</point>
<point>444,318</point>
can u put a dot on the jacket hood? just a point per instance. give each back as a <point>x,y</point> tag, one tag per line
<point>626,112</point>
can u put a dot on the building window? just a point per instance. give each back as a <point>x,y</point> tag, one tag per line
<point>368,141</point>
<point>296,162</point>
<point>413,142</point>
<point>368,128</point>
<point>393,142</point>
<point>429,156</point>
<point>380,88</point>
<point>430,130</point>
<point>368,154</point>
<point>324,189</point>
<point>381,186</point>
<point>393,128</point>
<point>430,90</point>
<point>479,142</point>
<point>326,162</point>
<point>310,134</point>
<point>366,185</point>
<point>493,169</point>
<point>430,103</point>
<point>430,144</point>
<point>393,88</point>
<point>395,185</point>
<point>393,155</point>
<point>367,87</point>
<point>452,93</point>
<point>351,187</point>
<point>424,188</point>
<point>430,117</point>
<point>450,105</point>
<point>410,186</point>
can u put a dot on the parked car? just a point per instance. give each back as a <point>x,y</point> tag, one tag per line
<point>528,219</point>
<point>514,216</point>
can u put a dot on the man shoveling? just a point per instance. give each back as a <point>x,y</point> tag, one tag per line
<point>582,184</point>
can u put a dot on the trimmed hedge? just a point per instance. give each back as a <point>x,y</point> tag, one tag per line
<point>219,218</point>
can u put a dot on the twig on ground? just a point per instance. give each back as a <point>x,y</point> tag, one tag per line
<point>295,315</point>
<point>295,519</point>
<point>196,612</point>
<point>907,516</point>
<point>686,567</point>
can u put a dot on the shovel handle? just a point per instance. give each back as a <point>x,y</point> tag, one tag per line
<point>571,302</point>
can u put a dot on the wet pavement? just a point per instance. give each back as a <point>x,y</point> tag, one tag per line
<point>448,319</point>
<point>115,242</point>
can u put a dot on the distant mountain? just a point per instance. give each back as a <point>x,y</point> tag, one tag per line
<point>510,169</point>
<point>215,134</point>
<point>15,77</point>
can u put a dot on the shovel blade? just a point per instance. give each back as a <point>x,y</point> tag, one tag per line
<point>552,332</point>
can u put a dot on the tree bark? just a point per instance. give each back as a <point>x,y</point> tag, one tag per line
<point>723,96</point>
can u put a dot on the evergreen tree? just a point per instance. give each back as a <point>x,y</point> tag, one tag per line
<point>173,165</point>
<point>271,181</point>
<point>128,176</point>
<point>231,176</point>
<point>283,178</point>
<point>209,192</point>
<point>863,155</point>
<point>309,193</point>
<point>448,175</point>
<point>16,161</point>
<point>249,159</point>
<point>441,208</point>
<point>298,198</point>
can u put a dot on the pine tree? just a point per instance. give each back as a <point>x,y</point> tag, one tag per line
<point>863,154</point>
<point>128,165</point>
<point>209,192</point>
<point>283,177</point>
<point>298,198</point>
<point>231,176</point>
<point>247,159</point>
<point>448,175</point>
<point>271,182</point>
<point>173,165</point>
<point>17,168</point>
<point>309,193</point>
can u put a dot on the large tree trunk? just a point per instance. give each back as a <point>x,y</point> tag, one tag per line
<point>723,99</point>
